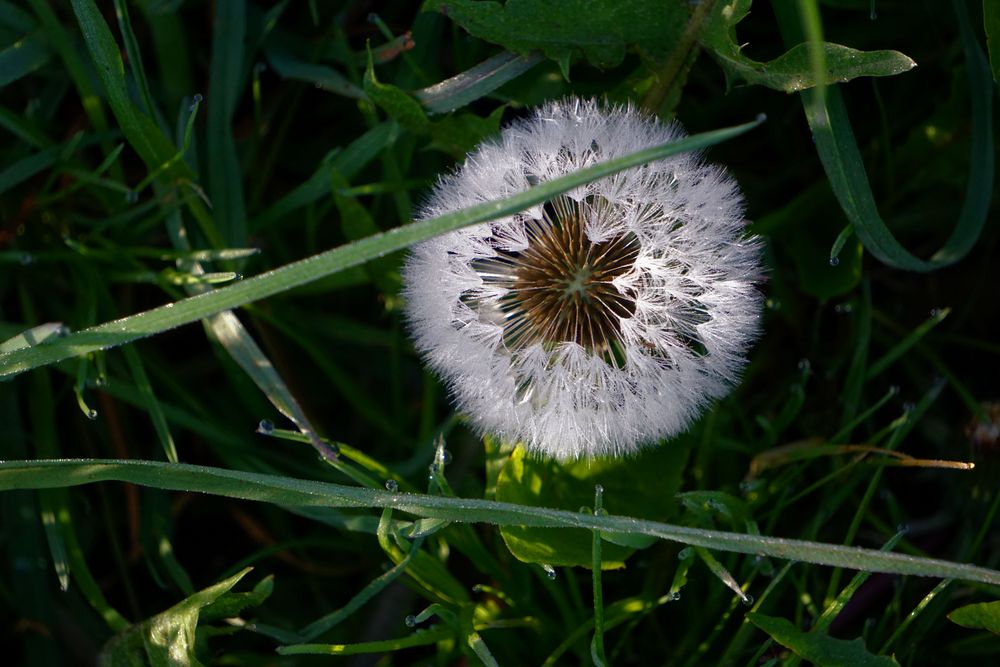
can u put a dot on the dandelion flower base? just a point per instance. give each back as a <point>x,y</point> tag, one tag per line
<point>603,320</point>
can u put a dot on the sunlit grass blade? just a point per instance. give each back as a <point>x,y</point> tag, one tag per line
<point>476,82</point>
<point>169,316</point>
<point>299,492</point>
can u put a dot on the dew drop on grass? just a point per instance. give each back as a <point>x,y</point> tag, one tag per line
<point>550,571</point>
<point>391,485</point>
<point>902,528</point>
<point>131,197</point>
<point>92,414</point>
<point>747,600</point>
<point>675,596</point>
<point>445,457</point>
<point>585,510</point>
<point>411,621</point>
<point>265,427</point>
<point>684,553</point>
<point>834,261</point>
<point>601,512</point>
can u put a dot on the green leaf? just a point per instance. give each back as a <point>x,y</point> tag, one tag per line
<point>980,616</point>
<point>822,650</point>
<point>793,70</point>
<point>841,158</point>
<point>169,638</point>
<point>394,101</point>
<point>643,486</point>
<point>458,134</point>
<point>601,31</point>
<point>991,22</point>
<point>310,269</point>
<point>289,491</point>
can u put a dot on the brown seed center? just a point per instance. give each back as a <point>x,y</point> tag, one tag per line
<point>560,288</point>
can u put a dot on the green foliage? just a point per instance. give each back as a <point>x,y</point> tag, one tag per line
<point>979,616</point>
<point>819,649</point>
<point>255,167</point>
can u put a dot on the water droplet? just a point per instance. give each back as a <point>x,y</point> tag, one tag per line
<point>685,553</point>
<point>198,97</point>
<point>410,621</point>
<point>101,381</point>
<point>91,414</point>
<point>391,485</point>
<point>373,17</point>
<point>601,512</point>
<point>909,407</point>
<point>585,510</point>
<point>550,571</point>
<point>834,260</point>
<point>761,117</point>
<point>747,600</point>
<point>804,365</point>
<point>903,528</point>
<point>265,427</point>
<point>893,390</point>
<point>237,276</point>
<point>676,595</point>
<point>434,468</point>
<point>445,457</point>
<point>131,197</point>
<point>598,489</point>
<point>478,588</point>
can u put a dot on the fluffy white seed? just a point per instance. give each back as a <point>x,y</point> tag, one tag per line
<point>608,318</point>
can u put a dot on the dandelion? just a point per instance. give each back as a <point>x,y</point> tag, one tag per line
<point>603,320</point>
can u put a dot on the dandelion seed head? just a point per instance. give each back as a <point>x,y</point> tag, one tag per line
<point>598,322</point>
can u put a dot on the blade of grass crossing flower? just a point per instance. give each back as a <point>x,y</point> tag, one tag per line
<point>841,158</point>
<point>295,274</point>
<point>224,86</point>
<point>298,492</point>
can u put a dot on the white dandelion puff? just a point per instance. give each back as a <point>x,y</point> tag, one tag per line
<point>603,320</point>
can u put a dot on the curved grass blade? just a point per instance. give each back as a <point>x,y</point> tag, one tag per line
<point>295,274</point>
<point>841,158</point>
<point>299,492</point>
<point>476,82</point>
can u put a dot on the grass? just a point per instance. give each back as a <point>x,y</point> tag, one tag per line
<point>203,208</point>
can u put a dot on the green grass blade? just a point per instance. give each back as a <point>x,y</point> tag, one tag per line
<point>23,57</point>
<point>224,86</point>
<point>841,158</point>
<point>152,145</point>
<point>192,309</point>
<point>476,82</point>
<point>909,341</point>
<point>291,491</point>
<point>152,405</point>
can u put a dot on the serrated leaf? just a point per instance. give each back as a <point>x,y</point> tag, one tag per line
<point>394,101</point>
<point>792,71</point>
<point>820,649</point>
<point>979,616</point>
<point>643,486</point>
<point>601,31</point>
<point>458,134</point>
<point>168,639</point>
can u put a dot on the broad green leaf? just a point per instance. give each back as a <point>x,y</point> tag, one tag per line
<point>601,31</point>
<point>643,486</point>
<point>311,269</point>
<point>289,491</point>
<point>979,616</point>
<point>169,638</point>
<point>458,134</point>
<point>820,649</point>
<point>400,106</point>
<point>793,70</point>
